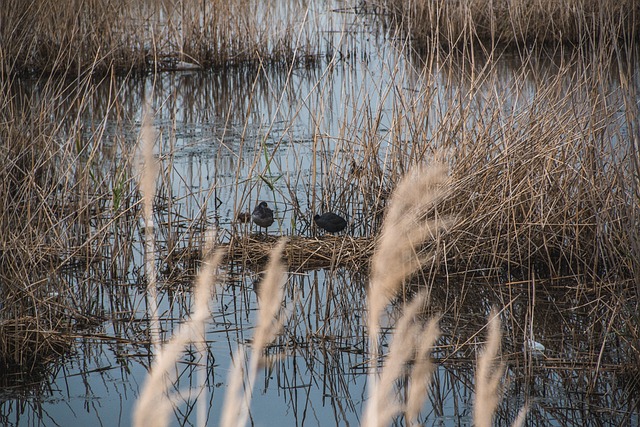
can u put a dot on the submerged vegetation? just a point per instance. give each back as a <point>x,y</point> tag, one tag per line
<point>538,214</point>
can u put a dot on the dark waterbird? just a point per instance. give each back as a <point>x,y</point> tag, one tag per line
<point>330,222</point>
<point>262,215</point>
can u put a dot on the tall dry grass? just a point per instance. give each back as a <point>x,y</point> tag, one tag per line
<point>95,37</point>
<point>52,197</point>
<point>455,23</point>
<point>542,160</point>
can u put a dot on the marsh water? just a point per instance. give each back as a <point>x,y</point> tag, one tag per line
<point>291,135</point>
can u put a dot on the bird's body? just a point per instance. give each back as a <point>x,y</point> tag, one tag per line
<point>330,222</point>
<point>262,216</point>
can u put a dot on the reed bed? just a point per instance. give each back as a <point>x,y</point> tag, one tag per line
<point>56,220</point>
<point>98,37</point>
<point>521,22</point>
<point>543,183</point>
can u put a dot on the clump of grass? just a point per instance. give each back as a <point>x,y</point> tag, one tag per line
<point>454,23</point>
<point>543,175</point>
<point>95,37</point>
<point>55,213</point>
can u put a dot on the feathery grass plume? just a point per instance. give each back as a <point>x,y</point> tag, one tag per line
<point>396,256</point>
<point>488,375</point>
<point>522,416</point>
<point>410,339</point>
<point>234,397</point>
<point>422,371</point>
<point>270,295</point>
<point>403,231</point>
<point>154,405</point>
<point>149,172</point>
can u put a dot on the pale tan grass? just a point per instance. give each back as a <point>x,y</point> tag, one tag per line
<point>155,404</point>
<point>397,256</point>
<point>404,230</point>
<point>149,174</point>
<point>383,403</point>
<point>489,372</point>
<point>269,324</point>
<point>412,340</point>
<point>234,397</point>
<point>522,416</point>
<point>422,372</point>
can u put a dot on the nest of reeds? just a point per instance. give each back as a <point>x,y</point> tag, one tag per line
<point>303,253</point>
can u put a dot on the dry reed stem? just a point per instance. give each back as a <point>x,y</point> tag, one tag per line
<point>149,173</point>
<point>236,406</point>
<point>488,375</point>
<point>154,405</point>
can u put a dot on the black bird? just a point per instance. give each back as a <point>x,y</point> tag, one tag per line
<point>262,215</point>
<point>330,222</point>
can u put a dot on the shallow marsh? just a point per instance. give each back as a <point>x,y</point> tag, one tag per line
<point>542,148</point>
